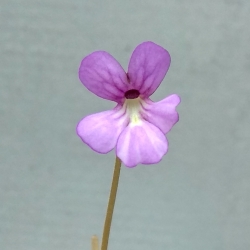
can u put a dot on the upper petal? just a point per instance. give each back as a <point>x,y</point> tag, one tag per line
<point>148,65</point>
<point>143,143</point>
<point>100,131</point>
<point>103,75</point>
<point>162,114</point>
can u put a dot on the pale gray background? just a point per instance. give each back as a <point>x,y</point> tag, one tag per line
<point>54,189</point>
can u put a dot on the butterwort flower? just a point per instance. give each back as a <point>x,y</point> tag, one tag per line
<point>136,127</point>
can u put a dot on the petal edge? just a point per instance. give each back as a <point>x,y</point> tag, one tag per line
<point>143,143</point>
<point>148,66</point>
<point>101,74</point>
<point>162,114</point>
<point>100,131</point>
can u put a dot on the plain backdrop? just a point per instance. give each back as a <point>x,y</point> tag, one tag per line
<point>54,189</point>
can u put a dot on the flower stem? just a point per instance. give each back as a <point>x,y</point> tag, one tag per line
<point>94,243</point>
<point>111,204</point>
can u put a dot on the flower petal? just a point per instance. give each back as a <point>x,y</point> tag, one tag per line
<point>162,114</point>
<point>100,131</point>
<point>148,66</point>
<point>143,143</point>
<point>103,75</point>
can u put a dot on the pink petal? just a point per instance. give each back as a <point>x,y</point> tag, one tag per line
<point>162,114</point>
<point>143,143</point>
<point>100,131</point>
<point>103,75</point>
<point>148,66</point>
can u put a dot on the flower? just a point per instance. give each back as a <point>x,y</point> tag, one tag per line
<point>136,127</point>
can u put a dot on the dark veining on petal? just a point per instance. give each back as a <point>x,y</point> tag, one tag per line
<point>128,77</point>
<point>132,94</point>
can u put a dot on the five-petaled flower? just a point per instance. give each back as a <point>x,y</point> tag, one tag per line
<point>136,127</point>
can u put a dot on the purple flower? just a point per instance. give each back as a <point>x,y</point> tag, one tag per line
<point>136,127</point>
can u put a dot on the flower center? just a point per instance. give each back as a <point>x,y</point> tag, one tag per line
<point>132,94</point>
<point>133,107</point>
